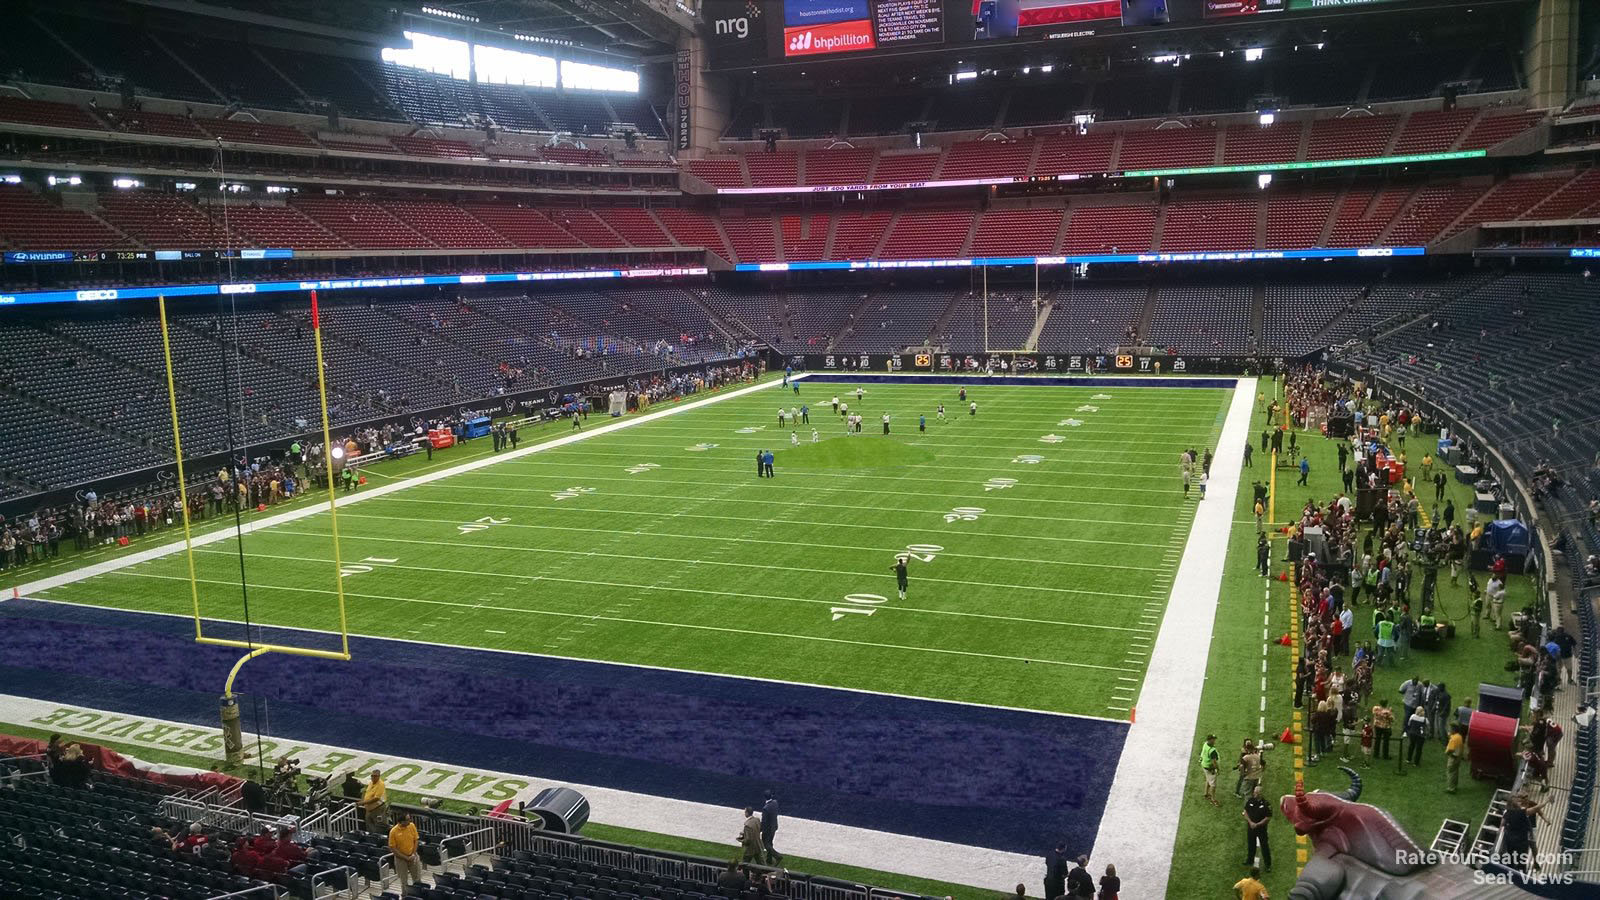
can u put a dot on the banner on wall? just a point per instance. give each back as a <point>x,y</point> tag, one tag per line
<point>685,81</point>
<point>1033,363</point>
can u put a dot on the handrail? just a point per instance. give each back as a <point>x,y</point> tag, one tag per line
<point>349,879</point>
<point>271,890</point>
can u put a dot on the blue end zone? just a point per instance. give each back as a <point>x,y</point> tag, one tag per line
<point>1003,779</point>
<point>1025,380</point>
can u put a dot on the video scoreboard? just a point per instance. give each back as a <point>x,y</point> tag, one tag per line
<point>758,32</point>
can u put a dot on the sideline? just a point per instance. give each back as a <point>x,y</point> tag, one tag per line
<point>294,515</point>
<point>1139,828</point>
<point>840,844</point>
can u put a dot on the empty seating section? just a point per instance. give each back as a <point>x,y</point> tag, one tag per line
<point>904,168</point>
<point>1201,319</point>
<point>1418,73</point>
<point>446,224</point>
<point>805,238</point>
<point>753,238</point>
<point>805,117</point>
<point>94,454</point>
<point>762,315</point>
<point>1135,96</point>
<point>361,223</point>
<point>837,166</point>
<point>818,316</point>
<point>587,227</point>
<point>773,169</point>
<point>981,159</point>
<point>31,222</point>
<point>895,320</point>
<point>966,108</point>
<point>353,86</point>
<point>883,114</point>
<point>1432,209</point>
<point>421,146</point>
<point>1010,321</point>
<point>508,106</point>
<point>1508,198</point>
<point>1433,131</point>
<point>1295,313</point>
<point>375,331</point>
<point>1578,197</point>
<point>44,112</point>
<point>1278,142</point>
<point>636,111</point>
<point>1353,138</point>
<point>530,228</point>
<point>1043,103</point>
<point>1068,154</point>
<point>275,226</point>
<point>691,228</point>
<point>637,226</point>
<point>234,70</point>
<point>1017,232</point>
<point>574,112</point>
<point>143,122</point>
<point>27,52</point>
<point>165,221</point>
<point>1168,148</point>
<point>129,53</point>
<point>1210,225</point>
<point>1491,130</point>
<point>857,235</point>
<point>357,143</point>
<point>573,156</point>
<point>1110,229</point>
<point>1385,302</point>
<point>1296,220</point>
<point>1091,317</point>
<point>718,171</point>
<point>928,234</point>
<point>241,131</point>
<point>1364,214</point>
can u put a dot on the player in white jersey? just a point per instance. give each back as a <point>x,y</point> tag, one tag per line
<point>941,412</point>
<point>794,438</point>
<point>813,435</point>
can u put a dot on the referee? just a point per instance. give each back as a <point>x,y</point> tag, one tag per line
<point>900,575</point>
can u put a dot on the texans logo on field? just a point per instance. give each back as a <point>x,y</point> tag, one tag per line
<point>1124,361</point>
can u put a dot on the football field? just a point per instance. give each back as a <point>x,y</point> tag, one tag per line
<point>1042,535</point>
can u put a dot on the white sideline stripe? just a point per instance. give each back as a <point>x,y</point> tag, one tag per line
<point>842,844</point>
<point>211,537</point>
<point>1139,828</point>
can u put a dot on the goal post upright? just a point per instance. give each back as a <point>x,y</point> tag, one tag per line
<point>232,732</point>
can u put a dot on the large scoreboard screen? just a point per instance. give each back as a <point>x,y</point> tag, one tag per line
<point>757,32</point>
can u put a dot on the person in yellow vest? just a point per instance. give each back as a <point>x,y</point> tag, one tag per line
<point>403,841</point>
<point>1427,466</point>
<point>375,802</point>
<point>1454,752</point>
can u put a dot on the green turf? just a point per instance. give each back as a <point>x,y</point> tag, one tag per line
<point>695,563</point>
<point>1210,848</point>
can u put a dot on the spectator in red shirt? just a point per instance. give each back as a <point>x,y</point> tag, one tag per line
<point>194,841</point>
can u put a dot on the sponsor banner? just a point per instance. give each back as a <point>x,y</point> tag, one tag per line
<point>1012,364</point>
<point>1220,9</point>
<point>684,68</point>
<point>272,287</point>
<point>838,37</point>
<point>1221,256</point>
<point>797,13</point>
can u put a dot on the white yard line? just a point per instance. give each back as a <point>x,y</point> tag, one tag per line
<point>1139,828</point>
<point>841,844</point>
<point>346,500</point>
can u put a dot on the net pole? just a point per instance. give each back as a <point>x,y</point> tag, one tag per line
<point>177,451</point>
<point>986,309</point>
<point>327,460</point>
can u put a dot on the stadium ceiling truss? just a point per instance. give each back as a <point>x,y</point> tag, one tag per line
<point>634,26</point>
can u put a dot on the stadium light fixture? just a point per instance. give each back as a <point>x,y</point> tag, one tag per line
<point>449,14</point>
<point>185,185</point>
<point>68,180</point>
<point>1263,179</point>
<point>1267,117</point>
<point>126,184</point>
<point>10,179</point>
<point>966,76</point>
<point>1027,69</point>
<point>1047,69</point>
<point>1252,54</point>
<point>337,452</point>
